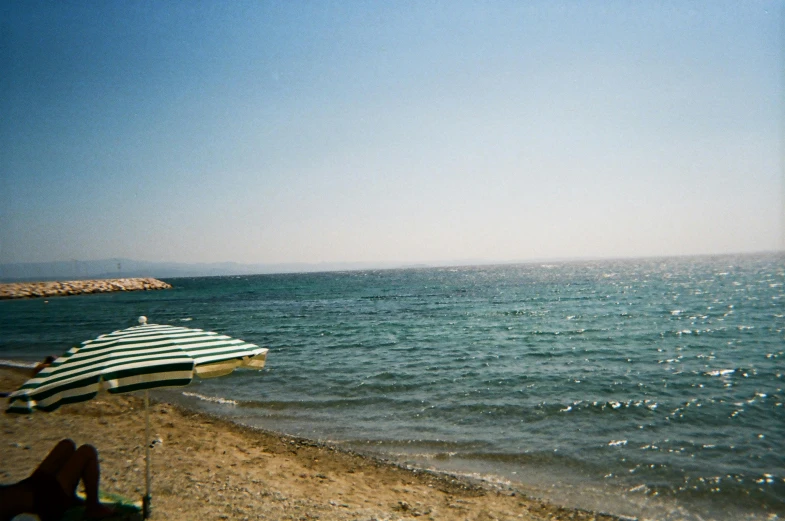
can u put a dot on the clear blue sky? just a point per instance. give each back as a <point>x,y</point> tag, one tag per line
<point>266,132</point>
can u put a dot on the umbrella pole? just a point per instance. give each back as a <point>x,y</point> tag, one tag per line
<point>147,496</point>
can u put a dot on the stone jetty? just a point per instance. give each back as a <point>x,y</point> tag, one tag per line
<point>77,287</point>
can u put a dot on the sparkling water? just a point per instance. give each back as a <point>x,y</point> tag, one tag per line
<point>649,388</point>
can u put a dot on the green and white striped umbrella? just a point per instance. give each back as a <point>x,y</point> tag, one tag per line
<point>142,357</point>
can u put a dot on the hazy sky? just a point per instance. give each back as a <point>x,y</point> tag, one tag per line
<point>296,131</point>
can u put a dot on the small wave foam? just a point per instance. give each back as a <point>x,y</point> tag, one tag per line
<point>720,372</point>
<point>211,399</point>
<point>17,363</point>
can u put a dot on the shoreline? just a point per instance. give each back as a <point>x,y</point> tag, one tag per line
<point>25,290</point>
<point>208,467</point>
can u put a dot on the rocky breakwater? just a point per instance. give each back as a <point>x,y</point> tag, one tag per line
<point>77,287</point>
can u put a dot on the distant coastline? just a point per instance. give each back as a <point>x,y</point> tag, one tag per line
<point>19,290</point>
<point>117,268</point>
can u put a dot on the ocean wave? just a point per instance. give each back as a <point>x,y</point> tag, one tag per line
<point>21,364</point>
<point>211,399</point>
<point>720,372</point>
<point>326,403</point>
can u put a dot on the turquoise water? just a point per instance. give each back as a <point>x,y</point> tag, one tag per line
<point>649,388</point>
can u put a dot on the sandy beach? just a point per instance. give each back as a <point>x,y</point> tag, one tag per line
<point>209,468</point>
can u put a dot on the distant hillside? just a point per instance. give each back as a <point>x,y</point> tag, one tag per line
<point>121,268</point>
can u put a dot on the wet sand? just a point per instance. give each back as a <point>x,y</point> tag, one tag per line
<point>208,468</point>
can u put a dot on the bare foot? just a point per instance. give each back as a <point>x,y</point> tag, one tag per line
<point>98,511</point>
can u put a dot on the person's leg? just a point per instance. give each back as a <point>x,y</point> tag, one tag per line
<point>84,465</point>
<point>57,457</point>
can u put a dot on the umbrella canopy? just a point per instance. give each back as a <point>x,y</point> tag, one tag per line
<point>144,357</point>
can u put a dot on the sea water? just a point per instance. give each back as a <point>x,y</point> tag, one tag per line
<point>650,388</point>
